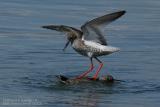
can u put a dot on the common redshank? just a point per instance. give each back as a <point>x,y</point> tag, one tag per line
<point>89,41</point>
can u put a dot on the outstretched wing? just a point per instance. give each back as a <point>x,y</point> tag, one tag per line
<point>71,32</point>
<point>91,30</point>
<point>66,29</point>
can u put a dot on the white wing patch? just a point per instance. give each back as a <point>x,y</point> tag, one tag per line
<point>99,47</point>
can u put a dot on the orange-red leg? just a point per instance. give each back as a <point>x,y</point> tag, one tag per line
<point>97,72</point>
<point>99,68</point>
<point>91,68</point>
<point>85,73</point>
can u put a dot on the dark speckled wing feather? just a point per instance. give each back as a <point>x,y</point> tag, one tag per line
<point>65,29</point>
<point>91,30</point>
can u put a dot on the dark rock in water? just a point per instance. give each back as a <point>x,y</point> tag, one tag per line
<point>66,80</point>
<point>63,78</point>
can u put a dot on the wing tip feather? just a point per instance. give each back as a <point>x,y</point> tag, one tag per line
<point>122,12</point>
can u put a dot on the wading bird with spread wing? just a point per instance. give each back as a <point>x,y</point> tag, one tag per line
<point>89,41</point>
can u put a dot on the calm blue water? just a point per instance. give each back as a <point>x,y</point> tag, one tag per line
<point>32,56</point>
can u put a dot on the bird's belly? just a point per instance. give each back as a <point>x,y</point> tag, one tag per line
<point>91,52</point>
<point>100,53</point>
<point>98,49</point>
<point>91,49</point>
<point>81,51</point>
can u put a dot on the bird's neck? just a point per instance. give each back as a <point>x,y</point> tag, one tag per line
<point>72,41</point>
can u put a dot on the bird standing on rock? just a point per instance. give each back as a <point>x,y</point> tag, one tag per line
<point>89,41</point>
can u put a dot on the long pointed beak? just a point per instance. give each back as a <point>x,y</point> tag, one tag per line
<point>66,45</point>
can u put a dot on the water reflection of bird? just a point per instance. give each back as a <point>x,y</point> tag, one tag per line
<point>89,41</point>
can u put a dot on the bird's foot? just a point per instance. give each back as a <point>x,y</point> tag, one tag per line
<point>86,78</point>
<point>80,77</point>
<point>94,78</point>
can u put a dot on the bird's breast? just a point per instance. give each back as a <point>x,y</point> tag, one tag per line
<point>79,46</point>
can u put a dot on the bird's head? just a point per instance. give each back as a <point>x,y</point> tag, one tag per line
<point>71,36</point>
<point>70,32</point>
<point>70,39</point>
